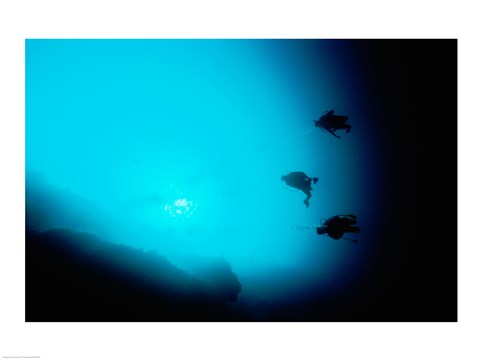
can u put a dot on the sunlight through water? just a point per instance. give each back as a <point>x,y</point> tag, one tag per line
<point>181,207</point>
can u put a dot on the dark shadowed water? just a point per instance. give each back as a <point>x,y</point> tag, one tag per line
<point>178,146</point>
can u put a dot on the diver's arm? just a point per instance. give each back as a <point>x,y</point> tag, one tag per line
<point>331,132</point>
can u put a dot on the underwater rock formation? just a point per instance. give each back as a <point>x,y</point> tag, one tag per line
<point>216,272</point>
<point>74,276</point>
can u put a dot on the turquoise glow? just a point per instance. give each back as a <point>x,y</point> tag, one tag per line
<point>183,142</point>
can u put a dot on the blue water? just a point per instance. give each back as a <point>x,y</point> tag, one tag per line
<point>179,145</point>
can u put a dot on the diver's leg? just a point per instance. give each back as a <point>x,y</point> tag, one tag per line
<point>349,221</point>
<point>309,195</point>
<point>352,229</point>
<point>347,127</point>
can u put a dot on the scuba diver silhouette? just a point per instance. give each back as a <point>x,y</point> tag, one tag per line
<point>300,181</point>
<point>331,122</point>
<point>338,225</point>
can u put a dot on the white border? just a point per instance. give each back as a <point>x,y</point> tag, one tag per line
<point>227,19</point>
